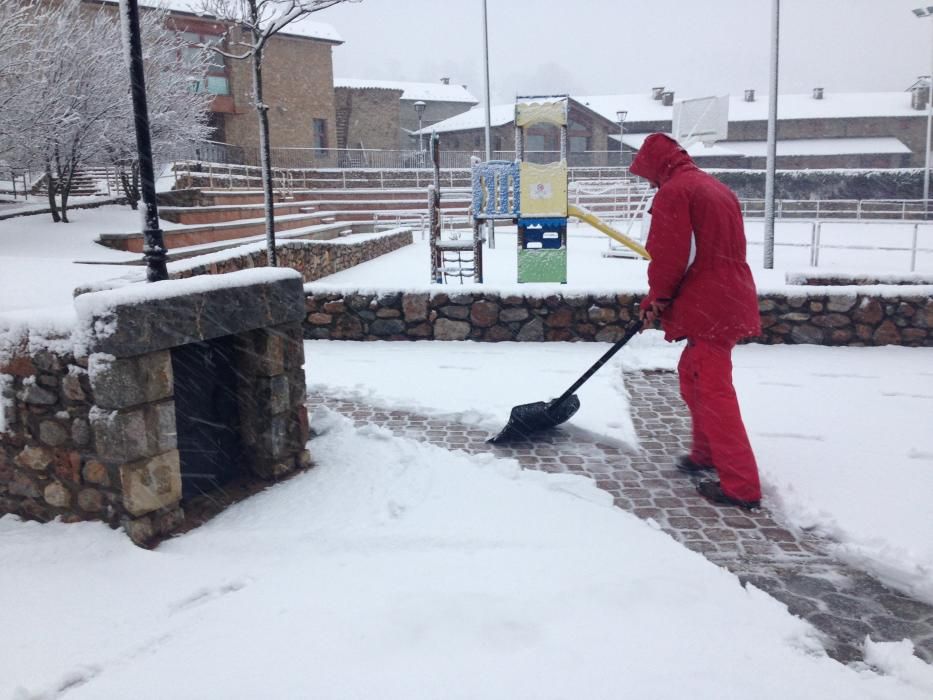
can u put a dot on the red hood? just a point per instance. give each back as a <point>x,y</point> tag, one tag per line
<point>657,159</point>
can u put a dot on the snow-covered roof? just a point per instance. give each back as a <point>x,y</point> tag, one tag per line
<point>834,105</point>
<point>426,92</point>
<point>641,108</point>
<point>789,147</point>
<point>306,27</point>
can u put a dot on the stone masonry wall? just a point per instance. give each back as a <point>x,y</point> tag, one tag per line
<point>836,318</point>
<point>93,436</point>
<point>313,259</point>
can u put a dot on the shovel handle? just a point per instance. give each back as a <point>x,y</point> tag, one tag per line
<point>629,334</point>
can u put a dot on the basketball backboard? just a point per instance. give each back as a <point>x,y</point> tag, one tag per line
<point>703,119</point>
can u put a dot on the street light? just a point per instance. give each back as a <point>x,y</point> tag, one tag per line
<point>620,116</point>
<point>922,12</point>
<point>154,251</point>
<point>419,109</point>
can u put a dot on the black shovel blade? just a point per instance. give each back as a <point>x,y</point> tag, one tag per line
<point>531,418</point>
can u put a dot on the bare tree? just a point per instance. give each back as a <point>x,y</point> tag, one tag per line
<point>72,107</point>
<point>256,21</point>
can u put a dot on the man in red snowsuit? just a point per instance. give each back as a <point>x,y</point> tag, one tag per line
<point>701,289</point>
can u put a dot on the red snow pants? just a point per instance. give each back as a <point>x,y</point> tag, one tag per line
<point>719,436</point>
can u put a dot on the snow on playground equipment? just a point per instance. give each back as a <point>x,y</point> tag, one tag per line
<point>450,257</point>
<point>534,197</point>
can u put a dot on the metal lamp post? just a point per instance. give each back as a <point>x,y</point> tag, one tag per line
<point>154,251</point>
<point>419,110</point>
<point>927,12</point>
<point>621,115</point>
<point>490,224</point>
<point>771,160</point>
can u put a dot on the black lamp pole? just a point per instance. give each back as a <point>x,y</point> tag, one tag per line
<point>154,247</point>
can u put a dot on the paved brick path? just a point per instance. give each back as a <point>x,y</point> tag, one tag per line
<point>843,603</point>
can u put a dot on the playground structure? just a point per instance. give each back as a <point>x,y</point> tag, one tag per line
<point>533,197</point>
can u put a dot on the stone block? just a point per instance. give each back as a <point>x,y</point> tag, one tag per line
<point>52,433</point>
<point>484,314</point>
<point>532,331</point>
<point>415,307</point>
<point>807,334</point>
<point>151,484</point>
<point>445,329</point>
<point>55,494</point>
<point>90,500</point>
<point>35,458</point>
<point>602,314</point>
<point>513,314</point>
<point>384,327</point>
<point>139,530</point>
<point>162,432</point>
<point>840,304</point>
<point>120,436</point>
<point>96,473</point>
<point>121,383</point>
<point>80,431</point>
<point>22,485</point>
<point>66,465</point>
<point>234,305</point>
<point>37,396</point>
<point>869,311</point>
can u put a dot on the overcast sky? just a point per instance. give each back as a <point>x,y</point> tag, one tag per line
<point>694,47</point>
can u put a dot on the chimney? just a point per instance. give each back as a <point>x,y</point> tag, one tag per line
<point>817,93</point>
<point>446,81</point>
<point>750,95</point>
<point>667,98</point>
<point>656,93</point>
<point>920,93</point>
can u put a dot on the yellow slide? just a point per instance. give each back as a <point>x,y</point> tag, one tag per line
<point>603,227</point>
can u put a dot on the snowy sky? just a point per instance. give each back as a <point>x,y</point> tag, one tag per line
<point>625,46</point>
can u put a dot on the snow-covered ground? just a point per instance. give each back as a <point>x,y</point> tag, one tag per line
<point>42,262</point>
<point>842,435</point>
<point>395,569</point>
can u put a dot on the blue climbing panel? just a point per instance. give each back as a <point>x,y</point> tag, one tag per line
<point>496,190</point>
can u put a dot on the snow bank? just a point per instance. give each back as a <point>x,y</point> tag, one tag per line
<point>397,570</point>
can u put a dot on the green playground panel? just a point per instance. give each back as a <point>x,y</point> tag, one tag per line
<point>542,265</point>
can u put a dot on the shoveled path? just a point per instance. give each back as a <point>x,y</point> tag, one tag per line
<point>795,567</point>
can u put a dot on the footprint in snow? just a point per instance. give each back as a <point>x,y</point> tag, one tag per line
<point>206,595</point>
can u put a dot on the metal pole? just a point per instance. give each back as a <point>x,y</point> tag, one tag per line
<point>154,252</point>
<point>490,226</point>
<point>772,137</point>
<point>926,161</point>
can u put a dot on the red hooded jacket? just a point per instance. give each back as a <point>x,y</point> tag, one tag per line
<point>712,296</point>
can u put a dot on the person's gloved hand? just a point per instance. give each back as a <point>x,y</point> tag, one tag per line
<point>651,312</point>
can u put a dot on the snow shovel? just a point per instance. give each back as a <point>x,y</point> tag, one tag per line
<point>530,418</point>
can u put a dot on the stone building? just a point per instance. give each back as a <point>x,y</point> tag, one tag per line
<point>821,129</point>
<point>298,83</point>
<point>588,135</point>
<point>368,110</point>
<point>817,130</point>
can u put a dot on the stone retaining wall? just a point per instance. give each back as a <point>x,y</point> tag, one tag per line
<point>90,432</point>
<point>313,259</point>
<point>848,318</point>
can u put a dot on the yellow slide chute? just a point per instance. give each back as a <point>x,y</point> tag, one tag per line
<point>603,227</point>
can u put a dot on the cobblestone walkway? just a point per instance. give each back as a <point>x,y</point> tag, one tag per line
<point>843,603</point>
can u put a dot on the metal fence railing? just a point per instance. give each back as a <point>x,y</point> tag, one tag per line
<point>816,244</point>
<point>838,208</point>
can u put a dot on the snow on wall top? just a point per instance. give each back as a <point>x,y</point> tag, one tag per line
<point>427,92</point>
<point>306,27</point>
<point>641,108</point>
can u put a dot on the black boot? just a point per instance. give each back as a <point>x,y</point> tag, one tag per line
<point>712,491</point>
<point>688,466</point>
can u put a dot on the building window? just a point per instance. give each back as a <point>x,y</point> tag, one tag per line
<point>320,135</point>
<point>579,144</point>
<point>215,82</point>
<point>534,142</point>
